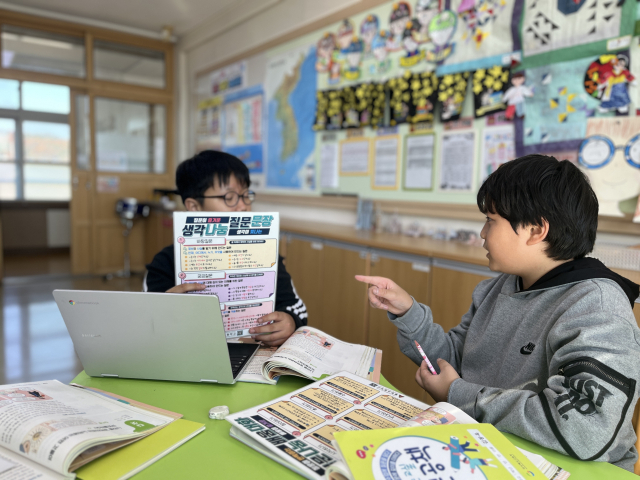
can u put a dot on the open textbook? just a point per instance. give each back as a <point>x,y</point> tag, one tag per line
<point>48,429</point>
<point>296,430</point>
<point>235,254</point>
<point>313,354</point>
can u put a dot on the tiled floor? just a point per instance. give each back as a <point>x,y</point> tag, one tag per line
<point>16,264</point>
<point>34,340</point>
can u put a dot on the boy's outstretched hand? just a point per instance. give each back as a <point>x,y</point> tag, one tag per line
<point>437,385</point>
<point>386,295</point>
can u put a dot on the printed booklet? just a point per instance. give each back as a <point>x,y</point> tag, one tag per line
<point>460,452</point>
<point>297,429</point>
<point>235,254</point>
<point>312,354</point>
<point>48,429</point>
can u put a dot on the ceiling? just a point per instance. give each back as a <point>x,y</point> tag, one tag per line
<point>152,15</point>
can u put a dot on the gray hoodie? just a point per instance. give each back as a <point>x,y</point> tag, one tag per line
<point>557,364</point>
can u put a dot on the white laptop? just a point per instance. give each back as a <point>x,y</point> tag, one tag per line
<point>156,336</point>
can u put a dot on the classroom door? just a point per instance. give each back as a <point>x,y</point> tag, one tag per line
<point>82,182</point>
<point>414,276</point>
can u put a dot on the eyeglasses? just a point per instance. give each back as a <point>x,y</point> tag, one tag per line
<point>231,199</point>
<point>596,151</point>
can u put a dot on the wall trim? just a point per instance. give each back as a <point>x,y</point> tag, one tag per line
<point>454,211</point>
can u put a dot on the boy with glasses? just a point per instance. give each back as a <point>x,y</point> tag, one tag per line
<point>218,182</point>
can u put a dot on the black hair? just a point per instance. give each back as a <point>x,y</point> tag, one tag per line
<point>533,188</point>
<point>195,175</point>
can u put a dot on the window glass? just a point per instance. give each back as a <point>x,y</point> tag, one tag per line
<point>8,186</point>
<point>83,133</point>
<point>41,51</point>
<point>9,94</point>
<point>46,141</point>
<point>127,64</point>
<point>7,139</point>
<point>130,136</point>
<point>47,182</point>
<point>44,97</point>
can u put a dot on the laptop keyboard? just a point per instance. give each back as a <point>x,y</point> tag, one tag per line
<point>239,354</point>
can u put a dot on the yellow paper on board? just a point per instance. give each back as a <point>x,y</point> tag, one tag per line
<point>127,461</point>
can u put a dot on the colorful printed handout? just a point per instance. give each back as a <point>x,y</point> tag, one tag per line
<point>235,255</point>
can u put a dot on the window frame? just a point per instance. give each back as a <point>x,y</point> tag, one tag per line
<point>19,116</point>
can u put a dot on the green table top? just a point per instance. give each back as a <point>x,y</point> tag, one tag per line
<point>214,454</point>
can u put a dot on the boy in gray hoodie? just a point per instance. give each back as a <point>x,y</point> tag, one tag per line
<point>550,349</point>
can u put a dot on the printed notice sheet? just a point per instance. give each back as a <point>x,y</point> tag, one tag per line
<point>385,162</point>
<point>498,147</point>
<point>456,167</point>
<point>297,429</point>
<point>235,254</point>
<point>329,165</point>
<point>418,172</point>
<point>354,157</point>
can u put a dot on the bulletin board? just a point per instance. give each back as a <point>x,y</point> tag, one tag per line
<point>507,78</point>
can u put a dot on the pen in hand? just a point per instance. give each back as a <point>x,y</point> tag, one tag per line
<point>425,358</point>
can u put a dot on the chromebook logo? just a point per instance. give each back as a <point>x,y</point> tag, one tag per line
<point>71,302</point>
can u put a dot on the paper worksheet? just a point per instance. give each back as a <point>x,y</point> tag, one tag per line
<point>498,147</point>
<point>418,172</point>
<point>354,157</point>
<point>385,162</point>
<point>456,165</point>
<point>329,165</point>
<point>235,254</point>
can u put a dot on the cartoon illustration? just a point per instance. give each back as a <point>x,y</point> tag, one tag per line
<point>478,16</point>
<point>400,15</point>
<point>334,70</point>
<point>369,31</point>
<point>325,52</point>
<point>451,94</point>
<point>441,30</point>
<point>608,79</point>
<point>354,57</point>
<point>426,10</point>
<point>413,53</point>
<point>489,86</point>
<point>380,53</point>
<point>424,91</point>
<point>458,451</point>
<point>345,34</point>
<point>515,95</point>
<point>319,340</point>
<point>610,157</point>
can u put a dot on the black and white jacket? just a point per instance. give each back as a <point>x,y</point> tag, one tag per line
<point>161,277</point>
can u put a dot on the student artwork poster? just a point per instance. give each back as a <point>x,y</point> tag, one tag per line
<point>235,255</point>
<point>299,427</point>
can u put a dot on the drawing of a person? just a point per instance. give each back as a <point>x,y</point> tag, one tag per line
<point>345,34</point>
<point>515,95</point>
<point>426,10</point>
<point>413,53</point>
<point>400,15</point>
<point>354,57</point>
<point>369,31</point>
<point>380,53</point>
<point>325,51</point>
<point>614,83</point>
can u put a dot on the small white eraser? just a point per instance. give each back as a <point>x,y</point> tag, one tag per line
<point>219,413</point>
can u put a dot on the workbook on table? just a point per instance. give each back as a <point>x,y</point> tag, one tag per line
<point>313,354</point>
<point>235,255</point>
<point>48,429</point>
<point>297,429</point>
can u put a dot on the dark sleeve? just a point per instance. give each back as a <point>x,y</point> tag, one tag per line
<point>287,299</point>
<point>161,271</point>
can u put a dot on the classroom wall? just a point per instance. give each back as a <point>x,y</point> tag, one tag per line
<point>248,31</point>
